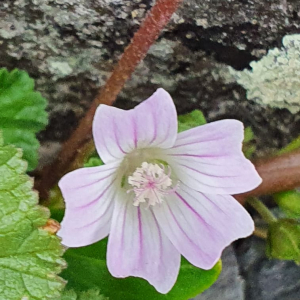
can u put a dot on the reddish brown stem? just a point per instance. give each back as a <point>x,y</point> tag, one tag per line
<point>73,148</point>
<point>279,173</point>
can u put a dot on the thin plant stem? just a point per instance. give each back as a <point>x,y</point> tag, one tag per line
<point>261,233</point>
<point>279,173</point>
<point>262,209</point>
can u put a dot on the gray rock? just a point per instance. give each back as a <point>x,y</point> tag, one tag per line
<point>267,279</point>
<point>70,48</point>
<point>47,153</point>
<point>229,286</point>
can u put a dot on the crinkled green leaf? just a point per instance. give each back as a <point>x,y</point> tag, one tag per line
<point>89,295</point>
<point>289,203</point>
<point>283,240</point>
<point>30,257</point>
<point>87,269</point>
<point>190,120</point>
<point>22,113</point>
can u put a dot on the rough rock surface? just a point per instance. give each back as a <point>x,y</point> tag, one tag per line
<point>230,285</point>
<point>267,279</point>
<point>70,47</point>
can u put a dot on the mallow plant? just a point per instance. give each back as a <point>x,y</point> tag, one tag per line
<point>159,194</point>
<point>144,209</point>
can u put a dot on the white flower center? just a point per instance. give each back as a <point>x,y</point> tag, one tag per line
<point>150,183</point>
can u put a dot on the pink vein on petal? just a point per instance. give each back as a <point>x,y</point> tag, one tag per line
<point>140,234</point>
<point>155,128</point>
<point>116,138</point>
<point>97,198</point>
<point>159,233</point>
<point>97,220</point>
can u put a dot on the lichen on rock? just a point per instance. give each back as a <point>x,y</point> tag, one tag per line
<point>70,48</point>
<point>274,80</point>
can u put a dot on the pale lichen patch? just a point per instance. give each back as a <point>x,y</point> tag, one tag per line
<point>274,80</point>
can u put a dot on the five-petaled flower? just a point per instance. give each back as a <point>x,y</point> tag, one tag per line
<point>160,194</point>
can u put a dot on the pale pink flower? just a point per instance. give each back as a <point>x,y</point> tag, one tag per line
<point>160,194</point>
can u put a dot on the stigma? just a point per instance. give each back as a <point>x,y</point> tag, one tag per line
<point>151,183</point>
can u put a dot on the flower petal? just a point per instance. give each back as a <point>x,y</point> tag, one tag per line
<point>137,247</point>
<point>89,195</point>
<point>200,226</point>
<point>209,159</point>
<point>153,123</point>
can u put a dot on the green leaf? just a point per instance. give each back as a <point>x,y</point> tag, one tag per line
<point>89,295</point>
<point>22,113</point>
<point>30,257</point>
<point>294,145</point>
<point>191,120</point>
<point>289,202</point>
<point>248,135</point>
<point>283,240</point>
<point>94,161</point>
<point>87,269</point>
<point>248,145</point>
